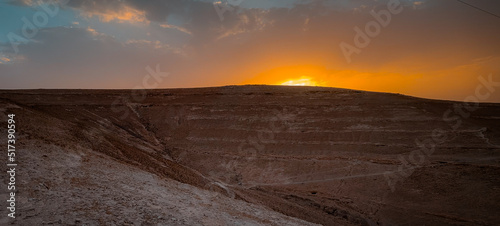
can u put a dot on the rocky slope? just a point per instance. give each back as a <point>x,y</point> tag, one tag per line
<point>253,155</point>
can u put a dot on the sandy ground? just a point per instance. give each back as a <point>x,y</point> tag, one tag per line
<point>74,185</point>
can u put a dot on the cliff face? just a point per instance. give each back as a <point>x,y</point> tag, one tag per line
<point>322,155</point>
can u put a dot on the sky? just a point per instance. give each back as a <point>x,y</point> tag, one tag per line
<point>439,49</point>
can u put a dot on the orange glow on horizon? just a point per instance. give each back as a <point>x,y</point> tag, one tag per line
<point>303,75</point>
<point>309,75</point>
<point>303,81</point>
<point>461,81</point>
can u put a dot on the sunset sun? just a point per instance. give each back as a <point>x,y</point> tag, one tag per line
<point>303,81</point>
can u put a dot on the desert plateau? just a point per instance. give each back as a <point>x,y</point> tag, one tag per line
<point>251,155</point>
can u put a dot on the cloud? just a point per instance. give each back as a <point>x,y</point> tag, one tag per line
<point>4,60</point>
<point>250,21</point>
<point>93,32</point>
<point>152,10</point>
<point>122,15</point>
<point>176,28</point>
<point>147,44</point>
<point>82,57</point>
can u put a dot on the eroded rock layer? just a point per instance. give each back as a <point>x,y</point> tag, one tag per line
<point>322,155</point>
